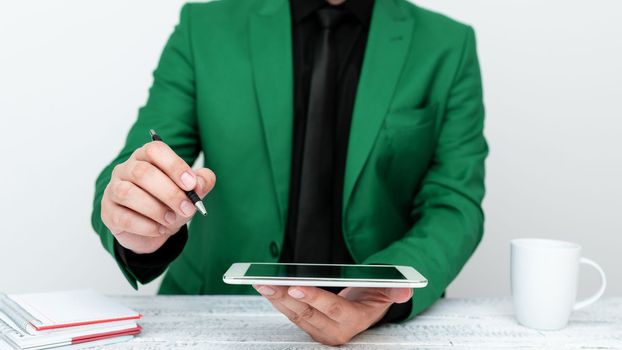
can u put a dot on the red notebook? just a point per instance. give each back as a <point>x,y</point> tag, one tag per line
<point>46,320</point>
<point>46,311</point>
<point>65,336</point>
<point>105,335</point>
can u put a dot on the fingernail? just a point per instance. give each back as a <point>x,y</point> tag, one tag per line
<point>296,293</point>
<point>265,290</point>
<point>187,208</point>
<point>188,180</point>
<point>162,230</point>
<point>170,217</point>
<point>202,184</point>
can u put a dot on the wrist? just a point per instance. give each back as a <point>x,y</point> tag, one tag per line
<point>162,256</point>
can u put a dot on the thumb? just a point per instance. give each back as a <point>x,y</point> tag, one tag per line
<point>206,179</point>
<point>399,295</point>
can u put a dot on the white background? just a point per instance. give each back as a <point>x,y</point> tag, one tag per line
<point>73,74</point>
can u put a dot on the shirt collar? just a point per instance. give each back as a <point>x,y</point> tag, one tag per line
<point>361,9</point>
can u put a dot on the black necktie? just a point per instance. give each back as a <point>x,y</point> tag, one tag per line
<point>315,223</point>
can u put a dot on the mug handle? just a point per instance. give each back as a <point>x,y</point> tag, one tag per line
<point>588,301</point>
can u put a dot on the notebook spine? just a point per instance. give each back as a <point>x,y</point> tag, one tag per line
<point>10,338</point>
<point>5,344</point>
<point>11,310</point>
<point>6,330</point>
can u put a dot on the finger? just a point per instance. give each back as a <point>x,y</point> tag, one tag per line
<point>387,295</point>
<point>268,292</point>
<point>206,179</point>
<point>140,244</point>
<point>119,218</point>
<point>307,327</point>
<point>155,182</point>
<point>400,295</point>
<point>333,306</point>
<point>306,317</point>
<point>344,293</point>
<point>162,156</point>
<point>133,197</point>
<point>377,295</point>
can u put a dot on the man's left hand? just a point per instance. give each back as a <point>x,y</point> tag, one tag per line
<point>333,319</point>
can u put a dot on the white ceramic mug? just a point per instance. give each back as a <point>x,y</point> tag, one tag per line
<point>544,277</point>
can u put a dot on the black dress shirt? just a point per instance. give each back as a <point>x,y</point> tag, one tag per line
<point>350,39</point>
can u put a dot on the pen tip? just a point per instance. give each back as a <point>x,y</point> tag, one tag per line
<point>152,132</point>
<point>201,208</point>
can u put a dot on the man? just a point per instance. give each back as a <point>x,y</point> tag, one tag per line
<point>341,132</point>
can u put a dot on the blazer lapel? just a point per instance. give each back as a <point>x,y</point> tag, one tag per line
<point>271,58</point>
<point>387,45</point>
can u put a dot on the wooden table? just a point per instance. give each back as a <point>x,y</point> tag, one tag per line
<point>249,322</point>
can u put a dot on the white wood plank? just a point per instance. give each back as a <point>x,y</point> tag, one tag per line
<point>249,322</point>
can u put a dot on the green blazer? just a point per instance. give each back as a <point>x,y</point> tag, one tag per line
<point>414,178</point>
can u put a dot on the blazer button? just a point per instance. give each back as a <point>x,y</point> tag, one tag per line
<point>274,249</point>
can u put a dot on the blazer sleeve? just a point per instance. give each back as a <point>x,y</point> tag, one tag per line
<point>147,267</point>
<point>170,109</point>
<point>447,209</point>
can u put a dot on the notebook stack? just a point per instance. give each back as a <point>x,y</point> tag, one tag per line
<point>71,319</point>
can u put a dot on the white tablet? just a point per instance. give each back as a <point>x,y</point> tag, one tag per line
<point>325,275</point>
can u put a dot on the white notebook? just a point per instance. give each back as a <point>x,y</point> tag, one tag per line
<point>90,345</point>
<point>46,320</point>
<point>45,311</point>
<point>18,339</point>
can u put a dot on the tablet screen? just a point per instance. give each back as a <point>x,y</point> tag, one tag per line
<point>324,271</point>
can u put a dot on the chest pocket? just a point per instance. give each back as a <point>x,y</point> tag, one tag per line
<point>407,147</point>
<point>411,128</point>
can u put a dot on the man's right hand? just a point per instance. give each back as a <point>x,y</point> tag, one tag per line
<point>145,201</point>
